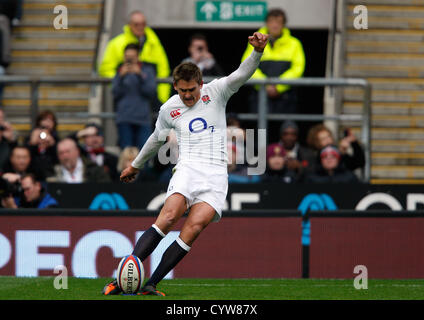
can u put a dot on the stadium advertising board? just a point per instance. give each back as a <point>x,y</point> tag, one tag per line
<point>91,246</point>
<point>151,196</point>
<point>389,247</point>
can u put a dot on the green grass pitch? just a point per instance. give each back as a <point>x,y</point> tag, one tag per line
<point>42,288</point>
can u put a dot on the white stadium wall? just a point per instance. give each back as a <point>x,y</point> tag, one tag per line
<point>302,14</point>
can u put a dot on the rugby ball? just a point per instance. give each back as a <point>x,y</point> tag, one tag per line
<point>130,274</point>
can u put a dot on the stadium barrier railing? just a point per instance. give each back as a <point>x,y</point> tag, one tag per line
<point>262,116</point>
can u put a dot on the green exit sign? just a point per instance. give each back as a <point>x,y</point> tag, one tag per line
<point>227,11</point>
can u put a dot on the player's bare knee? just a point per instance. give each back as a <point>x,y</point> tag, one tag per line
<point>169,217</point>
<point>196,228</point>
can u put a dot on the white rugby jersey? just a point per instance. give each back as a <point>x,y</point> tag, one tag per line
<point>201,130</point>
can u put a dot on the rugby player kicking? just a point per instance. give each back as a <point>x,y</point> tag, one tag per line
<point>200,180</point>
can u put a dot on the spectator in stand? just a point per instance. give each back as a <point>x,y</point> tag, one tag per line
<point>75,168</point>
<point>94,149</point>
<point>331,169</point>
<point>133,89</point>
<point>276,170</point>
<point>237,173</point>
<point>126,157</point>
<point>150,48</point>
<point>202,57</point>
<point>299,159</point>
<point>353,156</point>
<point>283,57</point>
<point>19,164</point>
<point>42,146</point>
<point>34,195</point>
<point>47,120</point>
<point>42,143</point>
<point>7,139</point>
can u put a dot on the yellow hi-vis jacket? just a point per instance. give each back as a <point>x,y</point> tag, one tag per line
<point>285,59</point>
<point>152,52</point>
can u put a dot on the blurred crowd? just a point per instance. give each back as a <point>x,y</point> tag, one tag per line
<point>134,59</point>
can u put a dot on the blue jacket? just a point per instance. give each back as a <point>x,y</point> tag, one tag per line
<point>47,201</point>
<point>133,95</point>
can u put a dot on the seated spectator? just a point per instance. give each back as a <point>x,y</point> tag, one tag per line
<point>353,156</point>
<point>331,169</point>
<point>93,148</point>
<point>7,139</point>
<point>202,57</point>
<point>276,171</point>
<point>283,57</point>
<point>19,164</point>
<point>151,51</point>
<point>47,120</point>
<point>237,173</point>
<point>126,157</point>
<point>133,89</point>
<point>33,195</point>
<point>74,168</point>
<point>42,146</point>
<point>299,159</point>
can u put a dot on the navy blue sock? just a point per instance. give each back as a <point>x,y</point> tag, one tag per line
<point>174,254</point>
<point>148,242</point>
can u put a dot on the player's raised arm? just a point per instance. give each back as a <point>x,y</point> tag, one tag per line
<point>248,67</point>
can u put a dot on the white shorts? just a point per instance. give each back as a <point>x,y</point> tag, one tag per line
<point>200,183</point>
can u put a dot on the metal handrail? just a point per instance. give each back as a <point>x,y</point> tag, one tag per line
<point>262,116</point>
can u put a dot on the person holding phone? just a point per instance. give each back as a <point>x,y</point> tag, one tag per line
<point>352,153</point>
<point>133,89</point>
<point>202,57</point>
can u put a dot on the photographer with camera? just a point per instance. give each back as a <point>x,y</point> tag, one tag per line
<point>133,90</point>
<point>19,163</point>
<point>28,193</point>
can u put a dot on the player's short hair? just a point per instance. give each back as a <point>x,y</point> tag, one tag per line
<point>187,71</point>
<point>276,12</point>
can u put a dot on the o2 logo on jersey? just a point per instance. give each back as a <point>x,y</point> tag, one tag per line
<point>198,125</point>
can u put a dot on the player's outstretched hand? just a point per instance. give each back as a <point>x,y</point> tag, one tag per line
<point>128,174</point>
<point>258,41</point>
